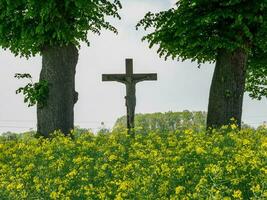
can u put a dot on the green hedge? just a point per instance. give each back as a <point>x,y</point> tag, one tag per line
<point>225,164</point>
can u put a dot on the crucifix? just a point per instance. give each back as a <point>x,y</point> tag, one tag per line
<point>130,79</point>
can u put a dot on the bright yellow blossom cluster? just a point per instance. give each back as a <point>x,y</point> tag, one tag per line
<point>224,164</point>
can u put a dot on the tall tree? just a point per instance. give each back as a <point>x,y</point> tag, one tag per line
<point>223,31</point>
<point>54,28</point>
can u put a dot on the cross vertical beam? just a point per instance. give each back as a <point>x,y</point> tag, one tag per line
<point>130,80</point>
<point>129,66</point>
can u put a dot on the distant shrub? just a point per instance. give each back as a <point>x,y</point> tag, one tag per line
<point>226,164</point>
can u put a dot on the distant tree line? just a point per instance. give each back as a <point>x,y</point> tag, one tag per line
<point>169,121</point>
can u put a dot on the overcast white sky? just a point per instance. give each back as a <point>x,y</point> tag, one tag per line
<point>180,86</point>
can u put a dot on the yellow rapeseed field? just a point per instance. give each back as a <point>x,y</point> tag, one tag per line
<point>225,164</point>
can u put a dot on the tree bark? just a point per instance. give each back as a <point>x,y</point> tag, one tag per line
<point>58,69</point>
<point>227,88</point>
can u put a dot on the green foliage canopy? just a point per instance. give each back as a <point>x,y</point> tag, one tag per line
<point>256,84</point>
<point>27,26</point>
<point>197,29</point>
<point>256,81</point>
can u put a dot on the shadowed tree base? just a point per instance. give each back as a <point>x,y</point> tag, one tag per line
<point>227,89</point>
<point>58,69</point>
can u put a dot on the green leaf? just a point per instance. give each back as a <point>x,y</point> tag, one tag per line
<point>27,26</point>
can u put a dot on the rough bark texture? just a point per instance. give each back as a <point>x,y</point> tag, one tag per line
<point>227,88</point>
<point>58,69</point>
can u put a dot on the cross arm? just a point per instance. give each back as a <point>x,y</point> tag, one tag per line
<point>145,77</point>
<point>114,77</point>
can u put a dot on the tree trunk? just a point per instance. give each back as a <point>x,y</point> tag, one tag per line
<point>58,69</point>
<point>227,88</point>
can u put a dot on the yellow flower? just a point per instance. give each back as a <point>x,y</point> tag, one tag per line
<point>18,169</point>
<point>118,197</point>
<point>72,173</point>
<point>165,168</point>
<point>200,150</point>
<point>181,170</point>
<point>124,185</point>
<point>50,157</point>
<point>179,189</point>
<point>213,169</point>
<point>38,187</point>
<point>57,180</point>
<point>246,142</point>
<point>30,167</point>
<point>24,194</point>
<point>256,188</point>
<point>53,195</point>
<point>112,157</point>
<point>230,168</point>
<point>217,151</point>
<point>237,194</point>
<point>233,126</point>
<point>264,144</point>
<point>19,186</point>
<point>21,145</point>
<point>235,181</point>
<point>10,186</point>
<point>264,170</point>
<point>188,132</point>
<point>77,160</point>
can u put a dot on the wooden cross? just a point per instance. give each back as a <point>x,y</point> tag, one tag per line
<point>129,79</point>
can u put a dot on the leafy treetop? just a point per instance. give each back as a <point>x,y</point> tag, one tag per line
<point>27,26</point>
<point>197,29</point>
